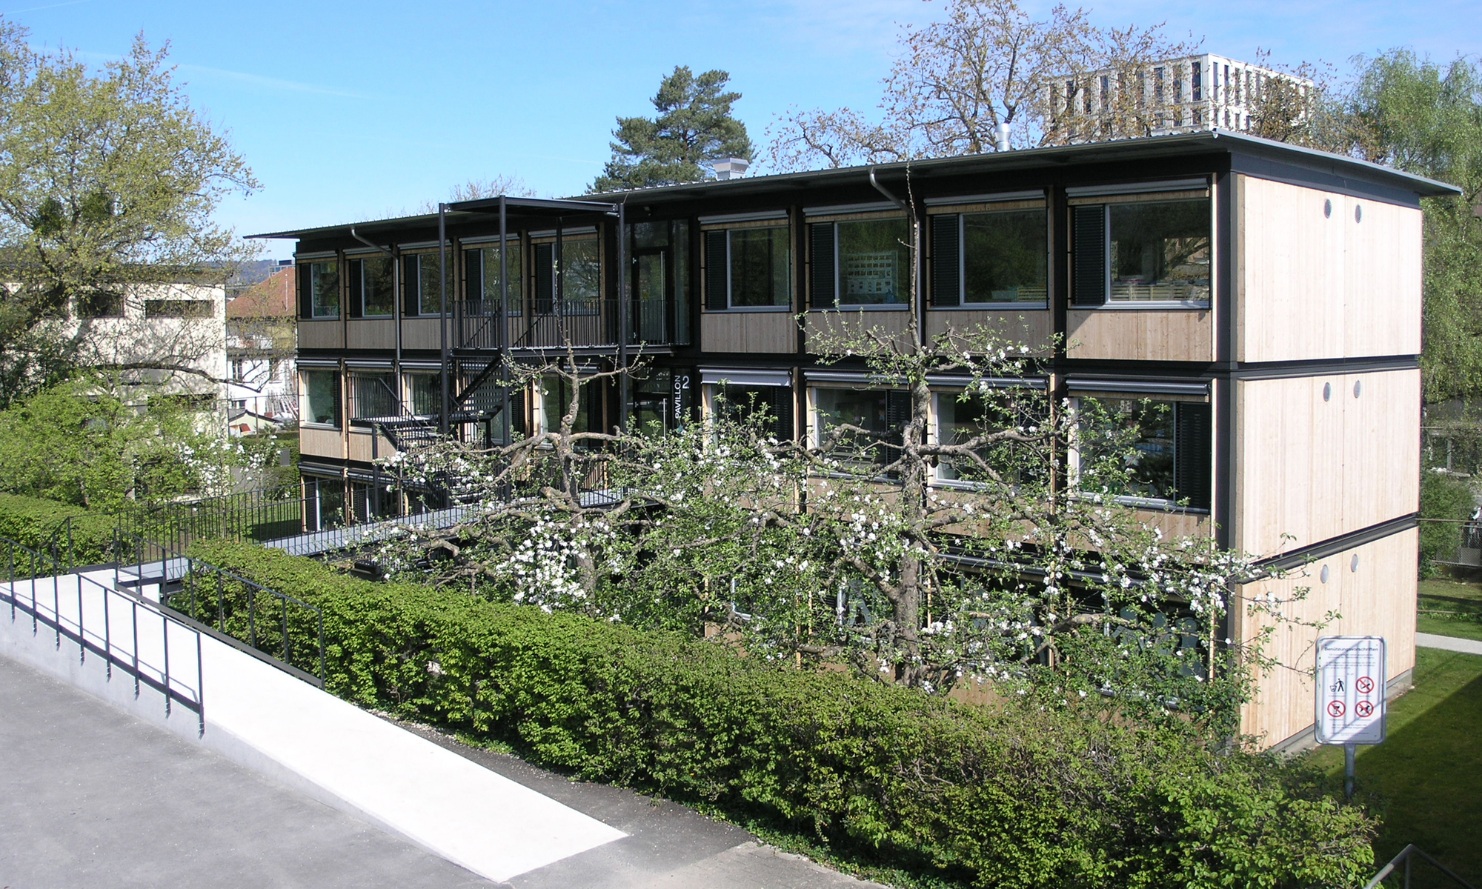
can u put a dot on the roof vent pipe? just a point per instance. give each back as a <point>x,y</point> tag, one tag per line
<point>1002,142</point>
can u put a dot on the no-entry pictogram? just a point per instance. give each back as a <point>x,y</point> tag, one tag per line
<point>1350,690</point>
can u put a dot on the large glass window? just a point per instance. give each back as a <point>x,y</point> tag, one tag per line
<point>374,395</point>
<point>484,289</point>
<point>556,397</point>
<point>376,284</point>
<point>996,256</point>
<point>427,392</point>
<point>860,424</point>
<point>1159,250</point>
<point>748,268</point>
<point>1145,449</point>
<point>323,283</point>
<point>582,261</point>
<point>772,405</point>
<point>861,262</point>
<point>322,397</point>
<point>978,420</point>
<point>424,278</point>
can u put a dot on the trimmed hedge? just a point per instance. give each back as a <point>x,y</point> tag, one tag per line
<point>1005,797</point>
<point>37,524</point>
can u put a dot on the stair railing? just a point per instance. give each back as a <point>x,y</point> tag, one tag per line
<point>1406,857</point>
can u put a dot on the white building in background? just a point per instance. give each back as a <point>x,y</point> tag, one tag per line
<point>169,335</point>
<point>1183,95</point>
<point>262,378</point>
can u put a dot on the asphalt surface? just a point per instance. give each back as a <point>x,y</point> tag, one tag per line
<point>93,796</point>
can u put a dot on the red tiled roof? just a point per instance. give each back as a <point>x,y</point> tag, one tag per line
<point>273,298</point>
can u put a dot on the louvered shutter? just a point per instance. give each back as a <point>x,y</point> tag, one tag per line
<point>717,272</point>
<point>305,291</point>
<point>946,260</point>
<point>473,279</point>
<point>545,278</point>
<point>1090,255</point>
<point>357,288</point>
<point>411,285</point>
<point>823,277</point>
<point>782,410</point>
<point>1192,453</point>
<point>897,417</point>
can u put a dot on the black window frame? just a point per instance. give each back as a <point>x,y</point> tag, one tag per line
<point>1191,439</point>
<point>720,268</point>
<point>950,272</point>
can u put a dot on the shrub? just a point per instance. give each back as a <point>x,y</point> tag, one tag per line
<point>1449,502</point>
<point>1007,797</point>
<point>43,526</point>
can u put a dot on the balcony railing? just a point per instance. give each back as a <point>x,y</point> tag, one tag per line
<point>556,324</point>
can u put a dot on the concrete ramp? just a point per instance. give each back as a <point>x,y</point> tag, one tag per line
<point>278,725</point>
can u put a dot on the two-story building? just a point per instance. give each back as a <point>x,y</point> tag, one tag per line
<point>1266,299</point>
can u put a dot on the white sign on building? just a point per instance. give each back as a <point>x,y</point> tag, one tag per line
<point>1350,690</point>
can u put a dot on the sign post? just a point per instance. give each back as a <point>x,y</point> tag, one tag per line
<point>1350,695</point>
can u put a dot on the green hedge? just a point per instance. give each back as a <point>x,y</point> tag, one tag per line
<point>1006,797</point>
<point>39,525</point>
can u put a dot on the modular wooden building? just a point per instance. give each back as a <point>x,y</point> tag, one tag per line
<point>1266,298</point>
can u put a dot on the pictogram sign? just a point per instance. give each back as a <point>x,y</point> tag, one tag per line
<point>1350,690</point>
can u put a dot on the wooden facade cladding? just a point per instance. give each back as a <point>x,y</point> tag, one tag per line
<point>362,447</point>
<point>1315,468</point>
<point>757,332</point>
<point>1140,334</point>
<point>1322,275</point>
<point>421,333</point>
<point>1030,327</point>
<point>1175,524</point>
<point>843,323</point>
<point>321,334</point>
<point>316,441</point>
<point>373,333</point>
<point>1370,586</point>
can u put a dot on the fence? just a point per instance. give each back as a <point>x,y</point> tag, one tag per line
<point>107,624</point>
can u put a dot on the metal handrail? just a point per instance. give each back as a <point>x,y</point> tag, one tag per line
<point>187,580</point>
<point>1405,856</point>
<point>43,567</point>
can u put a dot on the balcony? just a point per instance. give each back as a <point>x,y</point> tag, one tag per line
<point>585,323</point>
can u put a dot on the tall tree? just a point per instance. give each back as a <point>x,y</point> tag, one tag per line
<point>108,182</point>
<point>989,64</point>
<point>693,125</point>
<point>1426,118</point>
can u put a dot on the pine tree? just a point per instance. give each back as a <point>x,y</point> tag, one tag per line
<point>693,125</point>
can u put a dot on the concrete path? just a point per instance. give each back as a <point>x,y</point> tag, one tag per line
<point>1449,643</point>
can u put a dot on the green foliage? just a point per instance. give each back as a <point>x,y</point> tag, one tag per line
<point>1447,503</point>
<point>108,181</point>
<point>76,443</point>
<point>693,125</point>
<point>71,535</point>
<point>1005,797</point>
<point>1426,118</point>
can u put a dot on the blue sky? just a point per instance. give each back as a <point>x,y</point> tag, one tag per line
<point>348,111</point>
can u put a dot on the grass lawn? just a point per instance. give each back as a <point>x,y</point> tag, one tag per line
<point>1425,780</point>
<point>1450,608</point>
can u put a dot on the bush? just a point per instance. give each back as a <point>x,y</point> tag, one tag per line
<point>42,525</point>
<point>1005,797</point>
<point>1449,502</point>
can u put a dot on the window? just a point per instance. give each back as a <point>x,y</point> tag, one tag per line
<point>860,262</point>
<point>482,269</point>
<point>319,290</point>
<point>424,284</point>
<point>747,268</point>
<point>1196,81</point>
<point>877,415</point>
<point>426,388</point>
<point>572,285</point>
<point>374,395</point>
<point>1142,251</point>
<point>998,256</point>
<point>100,304</point>
<point>372,288</point>
<point>738,402</point>
<point>963,416</point>
<point>1145,449</point>
<point>556,396</point>
<point>178,308</point>
<point>322,397</point>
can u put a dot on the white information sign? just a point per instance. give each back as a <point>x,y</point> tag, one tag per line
<point>1350,690</point>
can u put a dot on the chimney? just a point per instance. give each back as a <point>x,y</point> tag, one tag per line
<point>729,167</point>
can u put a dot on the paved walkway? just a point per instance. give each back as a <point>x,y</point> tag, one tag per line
<point>1449,643</point>
<point>93,796</point>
